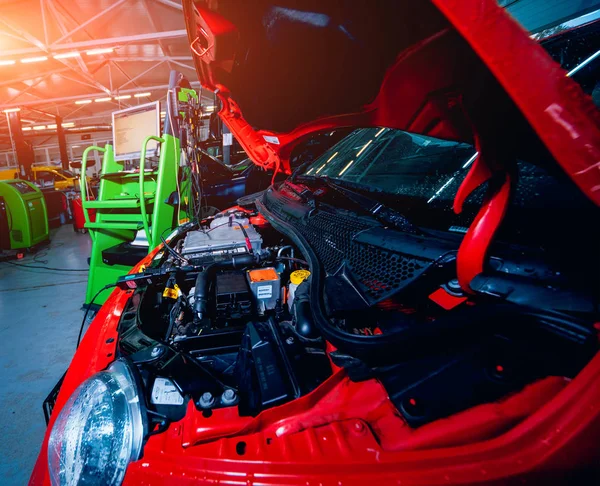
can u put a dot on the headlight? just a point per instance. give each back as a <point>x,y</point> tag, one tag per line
<point>99,431</point>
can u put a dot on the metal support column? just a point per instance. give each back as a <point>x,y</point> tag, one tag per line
<point>62,144</point>
<point>23,150</point>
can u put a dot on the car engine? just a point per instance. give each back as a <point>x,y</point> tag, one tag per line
<point>222,318</point>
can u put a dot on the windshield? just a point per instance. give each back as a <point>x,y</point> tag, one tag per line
<point>419,177</point>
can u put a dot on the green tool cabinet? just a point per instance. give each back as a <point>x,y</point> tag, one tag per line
<point>27,218</point>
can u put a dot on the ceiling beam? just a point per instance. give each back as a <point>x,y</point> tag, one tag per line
<point>89,21</point>
<point>171,3</point>
<point>88,96</point>
<point>151,68</point>
<point>150,58</point>
<point>91,44</point>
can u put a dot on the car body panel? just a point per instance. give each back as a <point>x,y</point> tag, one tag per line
<point>349,433</point>
<point>346,432</point>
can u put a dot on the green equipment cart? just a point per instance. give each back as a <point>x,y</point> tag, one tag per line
<point>26,215</point>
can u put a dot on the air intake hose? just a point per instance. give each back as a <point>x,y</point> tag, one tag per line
<point>303,319</point>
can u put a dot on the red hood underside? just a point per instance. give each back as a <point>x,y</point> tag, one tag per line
<point>467,72</point>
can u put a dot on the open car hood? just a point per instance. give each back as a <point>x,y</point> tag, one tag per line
<point>455,69</point>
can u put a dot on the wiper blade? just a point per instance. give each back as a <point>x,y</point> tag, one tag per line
<point>373,207</point>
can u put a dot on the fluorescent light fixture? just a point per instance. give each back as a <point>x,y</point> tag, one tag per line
<point>163,114</point>
<point>321,168</point>
<point>51,127</point>
<point>141,95</point>
<point>331,158</point>
<point>82,102</point>
<point>363,149</point>
<point>68,124</point>
<point>209,108</point>
<point>75,146</point>
<point>379,132</point>
<point>583,64</point>
<point>66,55</point>
<point>7,62</point>
<point>468,162</point>
<point>441,189</point>
<point>26,129</point>
<point>34,59</point>
<point>40,127</point>
<point>122,97</point>
<point>106,50</point>
<point>346,168</point>
<point>102,100</point>
<point>12,110</point>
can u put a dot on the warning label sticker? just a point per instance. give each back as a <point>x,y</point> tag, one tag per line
<point>164,392</point>
<point>264,292</point>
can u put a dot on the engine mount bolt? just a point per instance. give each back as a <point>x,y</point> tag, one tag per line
<point>155,351</point>
<point>229,397</point>
<point>206,400</point>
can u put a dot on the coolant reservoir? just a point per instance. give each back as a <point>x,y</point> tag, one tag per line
<point>296,278</point>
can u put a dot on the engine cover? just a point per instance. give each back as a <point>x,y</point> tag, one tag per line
<point>223,237</point>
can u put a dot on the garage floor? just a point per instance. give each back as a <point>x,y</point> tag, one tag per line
<point>40,315</point>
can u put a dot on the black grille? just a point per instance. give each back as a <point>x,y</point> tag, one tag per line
<point>376,272</point>
<point>330,236</point>
<point>381,272</point>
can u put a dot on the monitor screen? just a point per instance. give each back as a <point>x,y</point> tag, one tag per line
<point>132,126</point>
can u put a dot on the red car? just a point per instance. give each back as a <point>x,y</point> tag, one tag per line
<point>418,305</point>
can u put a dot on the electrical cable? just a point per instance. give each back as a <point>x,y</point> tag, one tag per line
<point>41,267</point>
<point>88,309</point>
<point>173,252</point>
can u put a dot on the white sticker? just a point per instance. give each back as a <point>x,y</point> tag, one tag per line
<point>164,392</point>
<point>271,139</point>
<point>227,139</point>
<point>264,292</point>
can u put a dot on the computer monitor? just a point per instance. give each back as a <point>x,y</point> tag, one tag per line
<point>131,126</point>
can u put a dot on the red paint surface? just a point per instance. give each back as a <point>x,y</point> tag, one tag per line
<point>350,433</point>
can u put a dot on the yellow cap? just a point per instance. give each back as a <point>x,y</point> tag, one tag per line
<point>299,276</point>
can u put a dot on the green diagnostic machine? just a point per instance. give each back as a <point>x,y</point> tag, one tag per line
<point>25,220</point>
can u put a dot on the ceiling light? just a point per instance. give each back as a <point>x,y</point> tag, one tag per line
<point>346,167</point>
<point>40,127</point>
<point>82,102</point>
<point>93,52</point>
<point>12,110</point>
<point>34,59</point>
<point>209,108</point>
<point>74,146</point>
<point>66,55</point>
<point>26,129</point>
<point>7,62</point>
<point>122,97</point>
<point>102,100</point>
<point>50,127</point>
<point>140,95</point>
<point>68,125</point>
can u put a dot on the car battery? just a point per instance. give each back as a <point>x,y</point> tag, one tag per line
<point>266,287</point>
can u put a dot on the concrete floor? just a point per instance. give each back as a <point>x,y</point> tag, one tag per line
<point>40,315</point>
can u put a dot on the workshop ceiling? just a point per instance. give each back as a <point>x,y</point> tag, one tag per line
<point>83,59</point>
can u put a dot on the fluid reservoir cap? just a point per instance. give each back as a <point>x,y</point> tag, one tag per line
<point>299,276</point>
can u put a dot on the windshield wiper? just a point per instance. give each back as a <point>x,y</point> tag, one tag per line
<point>373,207</point>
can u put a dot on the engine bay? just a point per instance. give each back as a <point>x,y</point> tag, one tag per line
<point>223,321</point>
<point>247,310</point>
